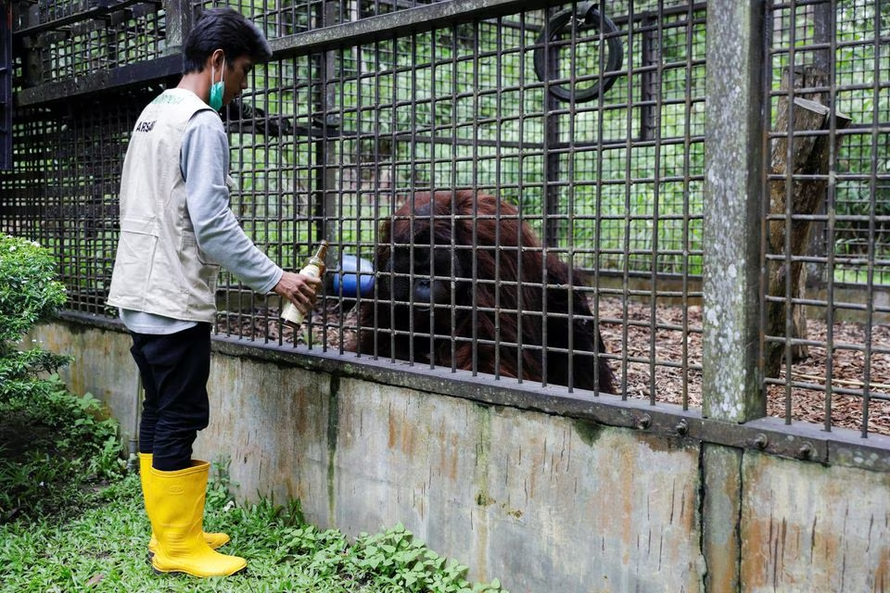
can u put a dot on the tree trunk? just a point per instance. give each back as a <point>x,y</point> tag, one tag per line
<point>807,157</point>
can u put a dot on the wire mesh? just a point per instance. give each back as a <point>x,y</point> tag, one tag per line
<point>611,186</point>
<point>75,39</point>
<point>281,18</point>
<point>826,254</point>
<point>587,118</point>
<point>63,191</point>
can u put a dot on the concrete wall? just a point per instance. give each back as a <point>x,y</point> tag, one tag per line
<point>545,501</point>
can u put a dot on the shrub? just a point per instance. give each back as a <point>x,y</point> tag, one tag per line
<point>28,290</point>
<point>28,294</point>
<point>54,448</point>
<point>52,443</point>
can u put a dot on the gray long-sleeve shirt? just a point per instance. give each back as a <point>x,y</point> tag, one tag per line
<point>204,162</point>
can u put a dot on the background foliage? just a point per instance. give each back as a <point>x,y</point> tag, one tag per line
<point>52,443</point>
<point>29,293</point>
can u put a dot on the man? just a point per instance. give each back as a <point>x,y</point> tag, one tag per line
<point>176,230</point>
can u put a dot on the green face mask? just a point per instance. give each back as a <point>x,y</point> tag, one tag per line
<point>217,89</point>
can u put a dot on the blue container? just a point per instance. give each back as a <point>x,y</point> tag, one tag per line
<point>355,278</point>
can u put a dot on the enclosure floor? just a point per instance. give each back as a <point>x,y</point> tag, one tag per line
<point>657,364</point>
<point>807,403</point>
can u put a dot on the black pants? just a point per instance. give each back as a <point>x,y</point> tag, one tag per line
<point>174,370</point>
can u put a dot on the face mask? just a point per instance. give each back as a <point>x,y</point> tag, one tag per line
<point>217,89</point>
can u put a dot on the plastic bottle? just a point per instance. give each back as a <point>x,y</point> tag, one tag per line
<point>315,267</point>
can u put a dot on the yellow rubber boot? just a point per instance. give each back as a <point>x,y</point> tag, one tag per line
<point>177,514</point>
<point>214,540</point>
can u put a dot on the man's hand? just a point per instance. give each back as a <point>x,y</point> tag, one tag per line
<point>299,289</point>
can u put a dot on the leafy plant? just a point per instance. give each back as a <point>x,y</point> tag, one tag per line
<point>47,435</point>
<point>21,371</point>
<point>395,561</point>
<point>53,445</point>
<point>28,294</point>
<point>70,519</point>
<point>28,290</point>
<point>101,549</point>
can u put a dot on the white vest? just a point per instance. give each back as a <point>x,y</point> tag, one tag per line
<point>159,268</point>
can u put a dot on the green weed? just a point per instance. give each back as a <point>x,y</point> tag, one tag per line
<point>71,520</point>
<point>103,549</point>
<point>54,448</point>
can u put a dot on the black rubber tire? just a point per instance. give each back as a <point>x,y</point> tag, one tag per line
<point>591,17</point>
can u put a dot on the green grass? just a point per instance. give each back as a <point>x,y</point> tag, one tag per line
<point>103,549</point>
<point>72,519</point>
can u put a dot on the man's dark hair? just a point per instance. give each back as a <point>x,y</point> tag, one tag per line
<point>226,29</point>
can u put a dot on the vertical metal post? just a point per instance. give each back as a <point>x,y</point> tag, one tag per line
<point>27,14</point>
<point>327,157</point>
<point>649,83</point>
<point>823,32</point>
<point>551,139</point>
<point>733,221</point>
<point>5,85</point>
<point>179,18</point>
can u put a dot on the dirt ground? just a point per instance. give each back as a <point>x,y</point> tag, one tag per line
<point>670,378</point>
<point>807,396</point>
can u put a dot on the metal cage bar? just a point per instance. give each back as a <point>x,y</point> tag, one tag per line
<point>365,105</point>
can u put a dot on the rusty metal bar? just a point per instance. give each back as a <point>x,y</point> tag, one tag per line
<point>132,75</point>
<point>769,436</point>
<point>6,71</point>
<point>847,250</point>
<point>364,97</point>
<point>99,10</point>
<point>410,21</point>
